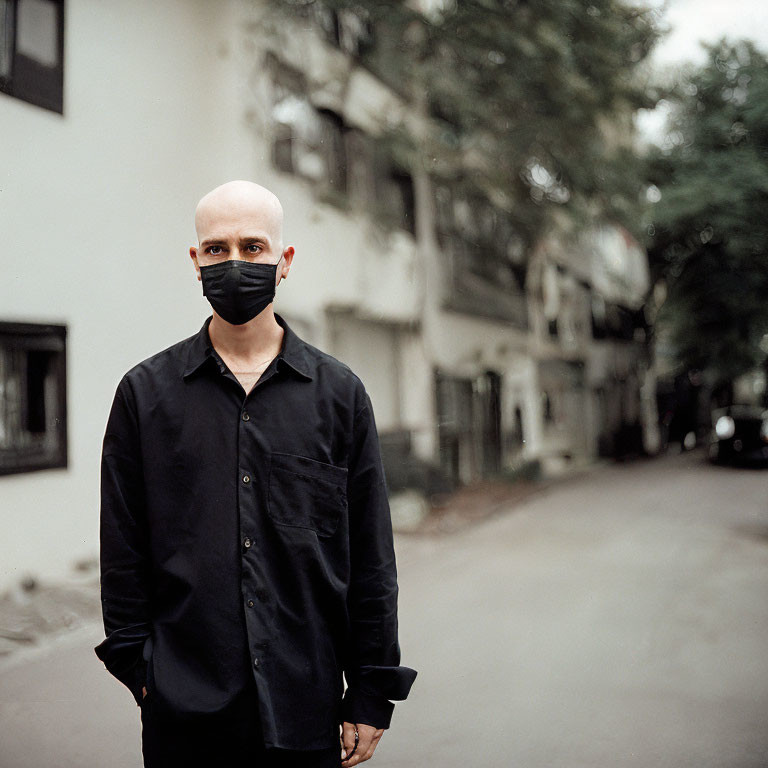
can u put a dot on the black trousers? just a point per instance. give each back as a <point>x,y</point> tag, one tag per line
<point>231,738</point>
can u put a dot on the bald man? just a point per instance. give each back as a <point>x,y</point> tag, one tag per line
<point>247,558</point>
<point>242,221</point>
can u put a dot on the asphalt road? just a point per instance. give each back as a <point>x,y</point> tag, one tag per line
<point>616,619</point>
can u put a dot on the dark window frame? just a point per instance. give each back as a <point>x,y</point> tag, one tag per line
<point>553,328</point>
<point>45,345</point>
<point>335,151</point>
<point>29,80</point>
<point>395,192</point>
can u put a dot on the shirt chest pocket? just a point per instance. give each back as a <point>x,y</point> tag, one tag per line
<point>306,493</point>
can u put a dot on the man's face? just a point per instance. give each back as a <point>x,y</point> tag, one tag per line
<point>240,224</point>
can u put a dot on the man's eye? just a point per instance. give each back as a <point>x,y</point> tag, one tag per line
<point>214,250</point>
<point>254,247</point>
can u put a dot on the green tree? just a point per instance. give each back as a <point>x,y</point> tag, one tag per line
<point>709,232</point>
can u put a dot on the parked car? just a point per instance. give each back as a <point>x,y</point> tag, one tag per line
<point>739,435</point>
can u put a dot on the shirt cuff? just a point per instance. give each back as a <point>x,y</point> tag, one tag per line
<point>359,707</point>
<point>132,675</point>
<point>386,682</point>
<point>366,699</point>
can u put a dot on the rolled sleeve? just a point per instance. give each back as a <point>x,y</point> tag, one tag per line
<point>124,548</point>
<point>373,671</point>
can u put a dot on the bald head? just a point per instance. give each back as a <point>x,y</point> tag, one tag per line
<point>240,204</point>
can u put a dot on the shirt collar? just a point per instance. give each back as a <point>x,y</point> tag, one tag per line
<point>293,352</point>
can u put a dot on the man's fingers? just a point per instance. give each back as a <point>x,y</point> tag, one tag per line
<point>364,748</point>
<point>368,739</point>
<point>374,735</point>
<point>348,739</point>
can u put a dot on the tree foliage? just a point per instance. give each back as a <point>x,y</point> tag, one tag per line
<point>532,102</point>
<point>709,232</point>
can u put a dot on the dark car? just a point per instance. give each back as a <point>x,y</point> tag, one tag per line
<point>739,435</point>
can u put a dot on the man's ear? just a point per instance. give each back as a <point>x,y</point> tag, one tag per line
<point>287,258</point>
<point>193,256</point>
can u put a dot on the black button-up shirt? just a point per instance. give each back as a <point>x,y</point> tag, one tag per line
<point>250,535</point>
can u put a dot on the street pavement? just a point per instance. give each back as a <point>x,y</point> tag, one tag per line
<point>616,618</point>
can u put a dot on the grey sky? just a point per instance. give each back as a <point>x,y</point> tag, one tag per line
<point>691,22</point>
<point>696,20</point>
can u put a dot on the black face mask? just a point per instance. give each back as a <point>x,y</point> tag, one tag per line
<point>238,290</point>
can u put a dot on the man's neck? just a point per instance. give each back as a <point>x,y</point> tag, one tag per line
<point>259,338</point>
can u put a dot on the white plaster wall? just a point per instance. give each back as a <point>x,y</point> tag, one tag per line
<point>372,350</point>
<point>418,395</point>
<point>95,216</point>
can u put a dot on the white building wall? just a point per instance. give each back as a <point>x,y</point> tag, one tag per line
<point>418,395</point>
<point>95,216</point>
<point>372,350</point>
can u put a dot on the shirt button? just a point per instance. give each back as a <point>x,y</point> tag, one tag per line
<point>247,542</point>
<point>245,416</point>
<point>250,603</point>
<point>246,479</point>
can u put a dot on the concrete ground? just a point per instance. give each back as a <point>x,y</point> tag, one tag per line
<point>618,618</point>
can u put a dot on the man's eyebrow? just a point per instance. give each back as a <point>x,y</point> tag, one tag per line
<point>212,241</point>
<point>245,239</point>
<point>255,239</point>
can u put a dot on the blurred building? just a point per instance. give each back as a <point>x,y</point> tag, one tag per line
<point>116,120</point>
<point>589,338</point>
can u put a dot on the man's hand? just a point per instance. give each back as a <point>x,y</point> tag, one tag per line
<point>367,741</point>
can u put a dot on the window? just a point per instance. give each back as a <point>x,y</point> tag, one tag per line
<point>333,149</point>
<point>33,431</point>
<point>552,328</point>
<point>612,321</point>
<point>307,142</point>
<point>484,258</point>
<point>394,194</point>
<point>295,123</point>
<point>356,33</point>
<point>32,51</point>
<point>349,29</point>
<point>547,408</point>
<point>360,160</point>
<point>479,238</point>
